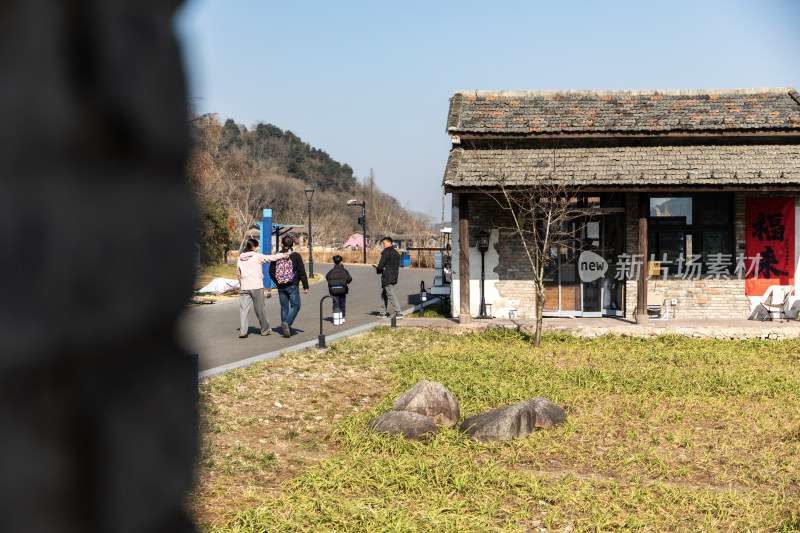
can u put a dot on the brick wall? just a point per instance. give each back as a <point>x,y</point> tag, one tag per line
<point>704,298</point>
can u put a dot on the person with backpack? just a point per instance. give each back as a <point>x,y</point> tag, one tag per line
<point>251,286</point>
<point>287,274</point>
<point>338,278</point>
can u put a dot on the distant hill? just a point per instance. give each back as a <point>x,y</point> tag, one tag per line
<point>287,154</point>
<point>235,173</point>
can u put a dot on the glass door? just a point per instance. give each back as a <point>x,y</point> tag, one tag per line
<point>603,233</point>
<point>613,244</point>
<point>563,291</point>
<point>592,291</point>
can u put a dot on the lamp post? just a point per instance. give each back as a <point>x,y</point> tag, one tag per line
<point>483,247</point>
<point>362,220</point>
<point>309,194</point>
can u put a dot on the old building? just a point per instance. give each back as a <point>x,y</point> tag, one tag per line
<point>712,178</point>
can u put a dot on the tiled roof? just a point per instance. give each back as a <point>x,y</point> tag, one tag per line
<point>532,113</point>
<point>629,167</point>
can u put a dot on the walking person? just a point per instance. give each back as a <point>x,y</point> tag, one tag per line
<point>338,278</point>
<point>251,286</point>
<point>389,269</point>
<point>287,274</point>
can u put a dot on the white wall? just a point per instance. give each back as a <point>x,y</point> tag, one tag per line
<point>795,297</point>
<point>455,246</point>
<point>490,288</point>
<point>500,306</point>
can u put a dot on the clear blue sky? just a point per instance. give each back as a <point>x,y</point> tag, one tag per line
<point>369,81</point>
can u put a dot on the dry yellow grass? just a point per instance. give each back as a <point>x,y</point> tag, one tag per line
<point>667,434</point>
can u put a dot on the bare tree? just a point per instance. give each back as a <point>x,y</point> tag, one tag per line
<point>386,215</point>
<point>419,227</point>
<point>389,216</point>
<point>202,169</point>
<point>331,227</point>
<point>547,216</point>
<point>243,194</point>
<point>284,196</point>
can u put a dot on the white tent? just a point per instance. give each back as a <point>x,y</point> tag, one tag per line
<point>219,285</point>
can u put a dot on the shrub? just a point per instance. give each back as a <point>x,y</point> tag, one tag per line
<point>214,232</point>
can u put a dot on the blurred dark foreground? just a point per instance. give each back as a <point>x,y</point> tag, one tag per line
<point>97,420</point>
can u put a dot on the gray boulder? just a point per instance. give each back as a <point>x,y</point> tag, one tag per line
<point>411,425</point>
<point>432,400</point>
<point>504,423</point>
<point>548,414</point>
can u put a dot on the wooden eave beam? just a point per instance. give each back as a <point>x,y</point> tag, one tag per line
<point>488,137</point>
<point>639,188</point>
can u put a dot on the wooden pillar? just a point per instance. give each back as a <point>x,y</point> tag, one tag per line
<point>464,316</point>
<point>641,286</point>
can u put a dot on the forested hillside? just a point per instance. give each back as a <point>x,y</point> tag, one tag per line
<point>287,154</point>
<point>236,173</point>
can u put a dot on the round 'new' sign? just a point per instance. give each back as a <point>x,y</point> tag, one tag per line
<point>591,266</point>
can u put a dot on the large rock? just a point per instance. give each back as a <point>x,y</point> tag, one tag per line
<point>411,425</point>
<point>432,400</point>
<point>548,414</point>
<point>504,423</point>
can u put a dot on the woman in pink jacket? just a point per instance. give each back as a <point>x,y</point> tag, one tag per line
<point>251,286</point>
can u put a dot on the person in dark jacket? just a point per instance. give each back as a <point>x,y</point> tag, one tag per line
<point>389,269</point>
<point>338,278</point>
<point>289,291</point>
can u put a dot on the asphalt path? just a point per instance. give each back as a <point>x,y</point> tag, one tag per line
<point>212,331</point>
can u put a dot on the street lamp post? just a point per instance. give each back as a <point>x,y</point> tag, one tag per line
<point>483,247</point>
<point>362,220</point>
<point>309,194</point>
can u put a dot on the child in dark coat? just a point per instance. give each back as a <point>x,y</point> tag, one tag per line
<point>338,278</point>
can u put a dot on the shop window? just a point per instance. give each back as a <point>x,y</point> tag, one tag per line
<point>689,229</point>
<point>671,210</point>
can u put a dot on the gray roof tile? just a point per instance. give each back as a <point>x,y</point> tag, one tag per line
<point>626,166</point>
<point>623,112</point>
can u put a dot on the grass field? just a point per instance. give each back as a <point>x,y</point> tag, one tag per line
<point>667,434</point>
<point>207,274</point>
<point>436,310</point>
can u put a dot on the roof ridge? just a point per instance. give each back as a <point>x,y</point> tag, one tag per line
<point>668,92</point>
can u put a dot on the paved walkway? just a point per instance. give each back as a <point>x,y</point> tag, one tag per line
<point>211,331</point>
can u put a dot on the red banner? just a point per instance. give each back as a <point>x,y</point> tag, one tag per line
<point>769,226</point>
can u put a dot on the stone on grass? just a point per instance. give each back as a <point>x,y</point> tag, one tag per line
<point>432,400</point>
<point>548,414</point>
<point>501,424</point>
<point>412,426</point>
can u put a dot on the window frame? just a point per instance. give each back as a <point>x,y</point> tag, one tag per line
<point>697,229</point>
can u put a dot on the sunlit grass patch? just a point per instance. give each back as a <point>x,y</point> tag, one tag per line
<point>208,273</point>
<point>437,310</point>
<point>662,434</point>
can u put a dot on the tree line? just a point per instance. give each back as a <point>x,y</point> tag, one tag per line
<point>236,172</point>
